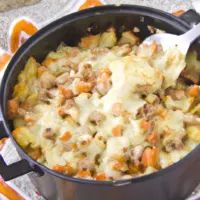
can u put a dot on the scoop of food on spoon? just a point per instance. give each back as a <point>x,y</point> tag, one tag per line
<point>182,42</point>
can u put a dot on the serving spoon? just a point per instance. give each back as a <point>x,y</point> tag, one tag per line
<point>182,42</point>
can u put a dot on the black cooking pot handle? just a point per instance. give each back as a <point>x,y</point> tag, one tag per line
<point>9,172</point>
<point>191,17</point>
<point>19,168</point>
<point>2,130</point>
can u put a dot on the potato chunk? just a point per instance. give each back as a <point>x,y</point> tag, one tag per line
<point>90,41</point>
<point>108,39</point>
<point>128,37</point>
<point>23,136</point>
<point>193,133</point>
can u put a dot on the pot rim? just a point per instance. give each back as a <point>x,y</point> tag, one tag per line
<point>41,34</point>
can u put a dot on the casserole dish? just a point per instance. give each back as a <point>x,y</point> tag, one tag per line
<point>174,182</point>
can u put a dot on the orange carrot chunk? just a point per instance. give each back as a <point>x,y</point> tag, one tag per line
<point>67,93</point>
<point>66,169</point>
<point>101,177</point>
<point>59,168</point>
<point>118,166</point>
<point>145,124</point>
<point>84,87</point>
<point>83,173</point>
<point>152,138</point>
<point>150,157</point>
<point>117,130</point>
<point>193,91</point>
<point>65,136</point>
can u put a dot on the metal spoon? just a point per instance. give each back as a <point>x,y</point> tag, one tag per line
<point>167,40</point>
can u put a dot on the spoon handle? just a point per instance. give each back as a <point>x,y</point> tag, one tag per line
<point>192,34</point>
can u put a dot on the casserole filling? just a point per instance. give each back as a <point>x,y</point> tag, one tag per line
<point>109,108</point>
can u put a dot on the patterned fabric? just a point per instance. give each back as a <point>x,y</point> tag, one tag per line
<point>16,29</point>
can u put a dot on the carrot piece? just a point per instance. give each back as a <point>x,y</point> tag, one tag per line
<point>193,91</point>
<point>59,168</point>
<point>117,130</point>
<point>84,87</point>
<point>118,166</point>
<point>150,157</point>
<point>145,124</point>
<point>66,169</point>
<point>152,138</point>
<point>83,173</point>
<point>67,93</point>
<point>101,177</point>
<point>66,136</point>
<point>13,106</point>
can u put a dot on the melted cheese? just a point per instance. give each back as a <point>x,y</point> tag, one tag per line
<point>131,76</point>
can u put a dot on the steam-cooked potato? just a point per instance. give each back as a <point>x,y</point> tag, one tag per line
<point>128,38</point>
<point>90,41</point>
<point>108,39</point>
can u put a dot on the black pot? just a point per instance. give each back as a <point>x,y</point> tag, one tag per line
<point>175,182</point>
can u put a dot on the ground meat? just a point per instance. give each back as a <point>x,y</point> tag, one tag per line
<point>99,51</point>
<point>60,80</point>
<point>147,111</point>
<point>96,117</point>
<point>117,109</point>
<point>176,94</point>
<point>69,108</point>
<point>51,93</point>
<point>48,133</point>
<point>173,141</point>
<point>86,164</point>
<point>143,89</point>
<point>83,130</point>
<point>171,145</point>
<point>134,154</point>
<point>103,87</point>
<point>47,80</point>
<point>69,103</point>
<point>85,71</point>
<point>103,83</point>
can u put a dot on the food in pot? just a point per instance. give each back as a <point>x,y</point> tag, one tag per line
<point>107,109</point>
